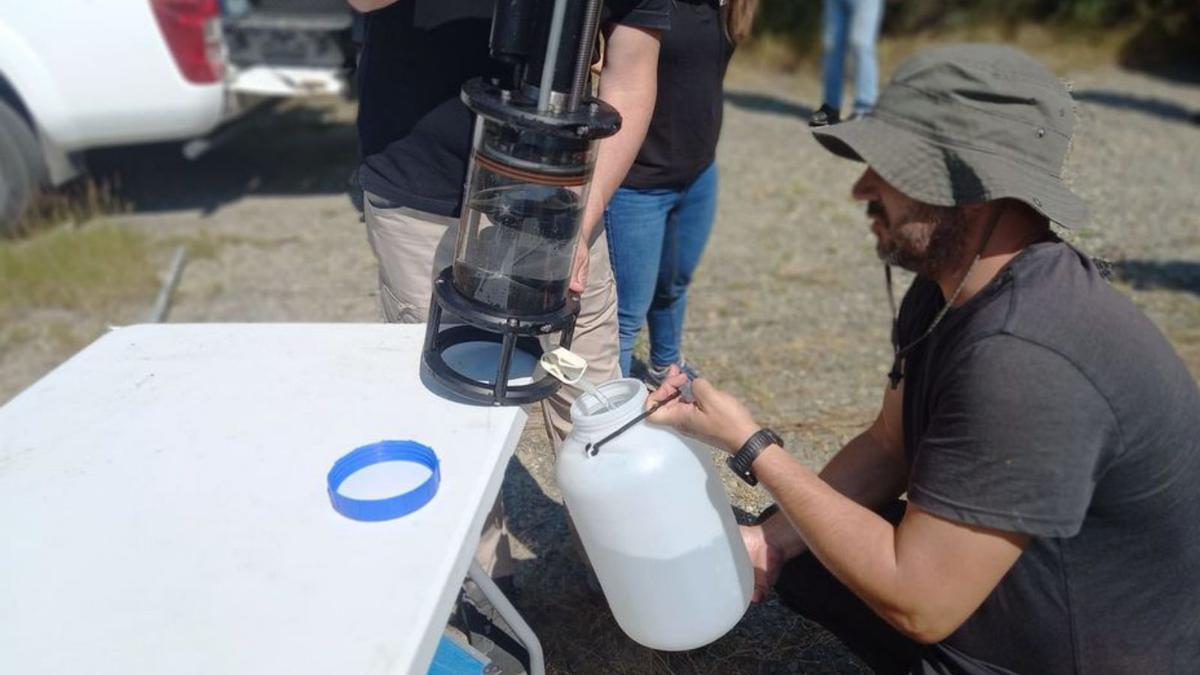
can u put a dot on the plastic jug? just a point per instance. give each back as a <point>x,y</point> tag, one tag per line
<point>655,522</point>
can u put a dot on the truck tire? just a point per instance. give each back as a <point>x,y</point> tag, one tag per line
<point>22,169</point>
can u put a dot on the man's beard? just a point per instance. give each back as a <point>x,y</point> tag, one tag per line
<point>926,240</point>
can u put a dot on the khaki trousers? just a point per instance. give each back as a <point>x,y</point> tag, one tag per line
<point>413,247</point>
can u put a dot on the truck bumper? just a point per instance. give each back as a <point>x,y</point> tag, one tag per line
<point>288,81</point>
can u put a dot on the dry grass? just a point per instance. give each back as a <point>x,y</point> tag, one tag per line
<point>75,203</point>
<point>1061,48</point>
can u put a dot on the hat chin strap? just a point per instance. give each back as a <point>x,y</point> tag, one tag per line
<point>896,374</point>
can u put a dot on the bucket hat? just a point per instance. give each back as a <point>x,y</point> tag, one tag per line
<point>963,124</point>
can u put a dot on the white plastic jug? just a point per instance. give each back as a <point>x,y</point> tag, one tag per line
<point>655,522</point>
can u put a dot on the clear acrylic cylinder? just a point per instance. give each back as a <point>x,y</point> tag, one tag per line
<point>525,197</point>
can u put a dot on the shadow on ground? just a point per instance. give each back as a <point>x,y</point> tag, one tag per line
<point>290,150</point>
<point>1149,105</point>
<point>757,102</point>
<point>1174,275</point>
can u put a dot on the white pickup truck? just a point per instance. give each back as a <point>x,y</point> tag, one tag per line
<point>83,74</point>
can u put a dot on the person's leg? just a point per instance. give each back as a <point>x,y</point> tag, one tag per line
<point>635,222</point>
<point>595,340</point>
<point>864,33</point>
<point>494,552</point>
<point>805,586</point>
<point>687,234</point>
<point>833,59</point>
<point>412,247</point>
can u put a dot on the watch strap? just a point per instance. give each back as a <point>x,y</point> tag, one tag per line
<point>741,461</point>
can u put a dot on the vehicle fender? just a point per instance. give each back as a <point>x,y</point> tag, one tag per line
<point>36,86</point>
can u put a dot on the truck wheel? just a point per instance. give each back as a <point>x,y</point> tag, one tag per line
<point>22,168</point>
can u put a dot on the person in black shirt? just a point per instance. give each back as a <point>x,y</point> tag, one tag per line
<point>1042,427</point>
<point>415,140</point>
<point>658,222</point>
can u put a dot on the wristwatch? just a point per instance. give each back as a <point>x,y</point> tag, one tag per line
<point>740,461</point>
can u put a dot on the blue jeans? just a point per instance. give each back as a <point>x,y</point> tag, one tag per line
<point>852,23</point>
<point>655,240</point>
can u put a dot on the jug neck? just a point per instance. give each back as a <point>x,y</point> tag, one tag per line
<point>628,398</point>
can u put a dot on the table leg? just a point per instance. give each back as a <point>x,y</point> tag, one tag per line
<point>537,664</point>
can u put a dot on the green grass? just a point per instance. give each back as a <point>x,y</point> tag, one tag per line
<point>67,268</point>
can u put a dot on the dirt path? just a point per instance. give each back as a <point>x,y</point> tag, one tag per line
<point>788,309</point>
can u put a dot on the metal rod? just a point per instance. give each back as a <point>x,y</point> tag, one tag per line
<point>537,664</point>
<point>583,60</point>
<point>551,60</point>
<point>162,304</point>
<point>506,351</point>
<point>568,334</point>
<point>433,323</point>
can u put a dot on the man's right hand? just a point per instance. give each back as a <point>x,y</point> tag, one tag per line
<point>715,417</point>
<point>766,559</point>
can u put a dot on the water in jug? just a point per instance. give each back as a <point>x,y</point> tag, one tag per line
<point>655,522</point>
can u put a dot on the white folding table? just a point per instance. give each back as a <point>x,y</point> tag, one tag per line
<point>163,504</point>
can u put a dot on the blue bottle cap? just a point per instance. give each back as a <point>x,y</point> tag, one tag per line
<point>392,507</point>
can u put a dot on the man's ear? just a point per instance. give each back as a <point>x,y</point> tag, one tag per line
<point>983,220</point>
<point>976,215</point>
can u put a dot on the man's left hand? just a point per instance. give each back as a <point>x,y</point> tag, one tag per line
<point>765,558</point>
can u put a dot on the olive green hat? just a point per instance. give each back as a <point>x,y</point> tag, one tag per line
<point>963,124</point>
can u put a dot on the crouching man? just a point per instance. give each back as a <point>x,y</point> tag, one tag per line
<point>1042,428</point>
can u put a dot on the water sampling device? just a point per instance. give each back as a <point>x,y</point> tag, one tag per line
<point>534,150</point>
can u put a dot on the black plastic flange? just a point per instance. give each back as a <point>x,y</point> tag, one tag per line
<point>484,325</point>
<point>593,120</point>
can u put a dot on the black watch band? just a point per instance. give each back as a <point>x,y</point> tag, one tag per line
<point>740,461</point>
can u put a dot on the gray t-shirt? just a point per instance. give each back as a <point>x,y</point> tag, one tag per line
<point>1049,405</point>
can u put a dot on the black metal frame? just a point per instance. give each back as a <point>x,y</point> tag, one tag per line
<point>481,323</point>
<point>593,120</point>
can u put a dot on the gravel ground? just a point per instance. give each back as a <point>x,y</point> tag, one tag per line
<point>788,310</point>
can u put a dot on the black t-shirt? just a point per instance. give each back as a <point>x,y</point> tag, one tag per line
<point>1049,405</point>
<point>682,138</point>
<point>414,132</point>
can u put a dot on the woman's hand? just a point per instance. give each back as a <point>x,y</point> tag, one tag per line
<point>715,417</point>
<point>579,266</point>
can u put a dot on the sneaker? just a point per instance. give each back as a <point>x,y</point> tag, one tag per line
<point>654,375</point>
<point>824,116</point>
<point>859,114</point>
